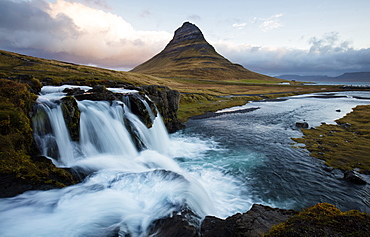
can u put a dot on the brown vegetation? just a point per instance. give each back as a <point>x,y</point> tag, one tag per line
<point>345,145</point>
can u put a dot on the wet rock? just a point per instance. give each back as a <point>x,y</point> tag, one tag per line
<point>353,177</point>
<point>167,102</point>
<point>176,225</point>
<point>99,93</point>
<point>73,91</point>
<point>256,222</point>
<point>301,124</point>
<point>138,107</point>
<point>98,88</point>
<point>71,115</point>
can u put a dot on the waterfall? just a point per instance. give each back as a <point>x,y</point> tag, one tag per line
<point>134,178</point>
<point>128,187</point>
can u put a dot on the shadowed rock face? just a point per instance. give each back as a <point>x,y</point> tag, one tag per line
<point>189,36</point>
<point>256,222</point>
<point>189,55</point>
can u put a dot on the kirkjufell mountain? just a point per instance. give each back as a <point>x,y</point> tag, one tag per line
<point>189,55</point>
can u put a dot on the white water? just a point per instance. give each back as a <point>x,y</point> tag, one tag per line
<point>128,188</point>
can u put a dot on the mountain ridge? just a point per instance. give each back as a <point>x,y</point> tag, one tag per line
<point>189,55</point>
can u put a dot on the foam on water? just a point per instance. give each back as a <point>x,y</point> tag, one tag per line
<point>128,188</point>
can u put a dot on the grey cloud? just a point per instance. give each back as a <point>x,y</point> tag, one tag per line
<point>329,43</point>
<point>24,17</point>
<point>330,62</point>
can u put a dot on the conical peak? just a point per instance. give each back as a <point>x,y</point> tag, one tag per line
<point>188,31</point>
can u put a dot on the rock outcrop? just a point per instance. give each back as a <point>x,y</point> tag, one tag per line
<point>255,223</point>
<point>167,102</point>
<point>71,115</point>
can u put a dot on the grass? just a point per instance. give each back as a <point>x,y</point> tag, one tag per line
<point>324,219</point>
<point>342,146</point>
<point>55,72</point>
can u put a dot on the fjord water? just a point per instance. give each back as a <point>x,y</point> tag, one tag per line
<point>217,166</point>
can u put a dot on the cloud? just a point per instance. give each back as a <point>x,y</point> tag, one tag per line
<point>265,24</point>
<point>240,26</point>
<point>326,55</point>
<point>75,32</point>
<point>329,43</point>
<point>271,22</point>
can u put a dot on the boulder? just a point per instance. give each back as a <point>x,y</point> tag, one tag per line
<point>301,124</point>
<point>256,222</point>
<point>353,177</point>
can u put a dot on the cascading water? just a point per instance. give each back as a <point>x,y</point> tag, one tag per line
<point>127,188</point>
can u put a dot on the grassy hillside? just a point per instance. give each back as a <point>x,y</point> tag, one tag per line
<point>54,72</point>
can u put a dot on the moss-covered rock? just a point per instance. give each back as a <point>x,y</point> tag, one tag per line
<point>324,219</point>
<point>71,115</point>
<point>18,172</point>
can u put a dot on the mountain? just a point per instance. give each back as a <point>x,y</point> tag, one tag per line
<point>189,55</point>
<point>346,77</point>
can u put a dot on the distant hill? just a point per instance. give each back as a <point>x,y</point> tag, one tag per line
<point>346,77</point>
<point>189,55</point>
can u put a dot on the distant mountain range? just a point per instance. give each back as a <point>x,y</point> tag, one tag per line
<point>189,55</point>
<point>346,77</point>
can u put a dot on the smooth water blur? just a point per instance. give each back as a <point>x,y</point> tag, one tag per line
<point>256,148</point>
<point>128,188</point>
<point>216,166</point>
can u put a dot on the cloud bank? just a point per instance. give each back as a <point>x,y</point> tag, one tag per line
<point>74,32</point>
<point>327,55</point>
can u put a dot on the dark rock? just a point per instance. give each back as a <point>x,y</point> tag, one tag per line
<point>47,177</point>
<point>73,91</point>
<point>167,102</point>
<point>338,110</point>
<point>71,115</point>
<point>98,88</point>
<point>97,95</point>
<point>328,169</point>
<point>301,124</point>
<point>256,222</point>
<point>176,225</point>
<point>138,107</point>
<point>353,177</point>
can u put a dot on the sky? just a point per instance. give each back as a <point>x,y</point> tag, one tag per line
<point>272,37</point>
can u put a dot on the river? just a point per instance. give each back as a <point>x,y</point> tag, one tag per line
<point>216,166</point>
